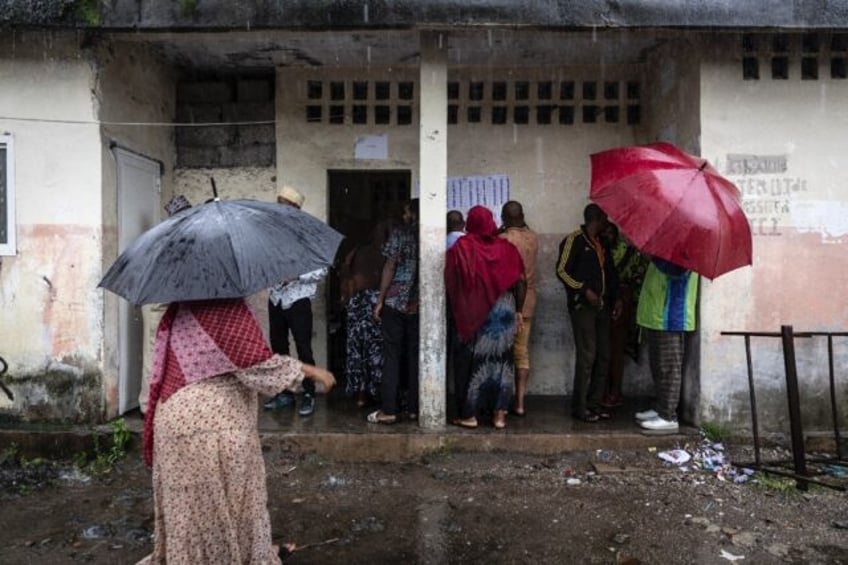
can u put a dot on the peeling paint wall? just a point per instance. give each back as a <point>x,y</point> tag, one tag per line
<point>50,314</point>
<point>58,331</point>
<point>783,143</point>
<point>133,86</point>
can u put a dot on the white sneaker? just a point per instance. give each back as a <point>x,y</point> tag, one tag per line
<point>646,415</point>
<point>659,424</point>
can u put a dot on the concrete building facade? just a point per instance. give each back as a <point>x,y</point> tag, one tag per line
<point>298,104</point>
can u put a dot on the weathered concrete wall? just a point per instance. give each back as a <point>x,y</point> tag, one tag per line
<point>133,86</point>
<point>242,101</point>
<point>782,142</point>
<point>51,326</point>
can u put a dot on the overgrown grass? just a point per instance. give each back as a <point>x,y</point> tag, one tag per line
<point>105,457</point>
<point>775,483</point>
<point>716,432</point>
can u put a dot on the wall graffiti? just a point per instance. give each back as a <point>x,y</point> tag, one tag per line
<point>768,194</point>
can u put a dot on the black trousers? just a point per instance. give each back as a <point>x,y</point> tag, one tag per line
<point>297,318</point>
<point>400,341</point>
<point>460,356</point>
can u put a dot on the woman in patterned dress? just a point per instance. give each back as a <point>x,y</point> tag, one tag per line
<point>484,276</point>
<point>360,286</point>
<point>210,363</point>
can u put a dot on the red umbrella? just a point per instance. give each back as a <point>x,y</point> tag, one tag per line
<point>673,205</point>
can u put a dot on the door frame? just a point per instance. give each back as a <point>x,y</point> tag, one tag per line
<point>334,325</point>
<point>136,213</point>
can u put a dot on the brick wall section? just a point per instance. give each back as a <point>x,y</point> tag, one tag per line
<point>226,101</point>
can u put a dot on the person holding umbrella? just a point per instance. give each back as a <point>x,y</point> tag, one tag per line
<point>211,362</point>
<point>667,311</point>
<point>676,208</point>
<point>201,437</point>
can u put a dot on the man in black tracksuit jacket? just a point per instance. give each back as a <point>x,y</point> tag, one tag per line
<point>586,269</point>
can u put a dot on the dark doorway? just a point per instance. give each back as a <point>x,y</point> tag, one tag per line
<point>358,201</point>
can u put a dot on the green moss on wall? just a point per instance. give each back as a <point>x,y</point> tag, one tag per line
<point>88,12</point>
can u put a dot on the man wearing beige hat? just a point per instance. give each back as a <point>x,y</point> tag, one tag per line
<point>290,308</point>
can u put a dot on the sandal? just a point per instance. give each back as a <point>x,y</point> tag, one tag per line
<point>514,412</point>
<point>469,423</point>
<point>285,549</point>
<point>588,417</point>
<point>377,417</point>
<point>499,421</point>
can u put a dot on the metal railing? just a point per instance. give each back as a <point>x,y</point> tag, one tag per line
<point>799,459</point>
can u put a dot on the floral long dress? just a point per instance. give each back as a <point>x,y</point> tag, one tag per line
<point>209,489</point>
<point>364,347</point>
<point>492,367</point>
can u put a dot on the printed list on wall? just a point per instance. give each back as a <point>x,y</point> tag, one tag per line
<point>491,191</point>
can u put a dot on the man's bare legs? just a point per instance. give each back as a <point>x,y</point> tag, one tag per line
<point>521,378</point>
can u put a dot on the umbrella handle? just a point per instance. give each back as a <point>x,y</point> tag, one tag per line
<point>215,188</point>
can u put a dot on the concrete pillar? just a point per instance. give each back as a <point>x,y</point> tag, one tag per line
<point>433,148</point>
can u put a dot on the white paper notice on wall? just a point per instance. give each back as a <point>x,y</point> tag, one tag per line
<point>491,191</point>
<point>371,147</point>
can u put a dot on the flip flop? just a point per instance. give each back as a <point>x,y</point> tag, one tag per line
<point>377,417</point>
<point>469,423</point>
<point>513,412</point>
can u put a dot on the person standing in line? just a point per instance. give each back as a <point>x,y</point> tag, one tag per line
<point>666,311</point>
<point>585,268</point>
<point>484,278</point>
<point>630,268</point>
<point>290,309</point>
<point>360,284</point>
<point>456,227</point>
<point>397,312</point>
<point>517,232</point>
<point>458,353</point>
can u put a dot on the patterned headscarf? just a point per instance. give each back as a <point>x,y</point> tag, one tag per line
<point>195,341</point>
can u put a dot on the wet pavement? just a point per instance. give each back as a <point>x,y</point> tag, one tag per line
<point>545,490</point>
<point>338,430</point>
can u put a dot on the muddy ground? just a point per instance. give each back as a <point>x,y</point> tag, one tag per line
<point>600,507</point>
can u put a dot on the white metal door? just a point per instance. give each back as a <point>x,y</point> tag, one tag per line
<point>138,211</point>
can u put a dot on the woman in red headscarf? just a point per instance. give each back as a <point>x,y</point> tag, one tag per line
<point>484,276</point>
<point>200,434</point>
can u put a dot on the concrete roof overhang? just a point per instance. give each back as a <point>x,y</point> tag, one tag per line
<point>495,47</point>
<point>222,15</point>
<point>244,35</point>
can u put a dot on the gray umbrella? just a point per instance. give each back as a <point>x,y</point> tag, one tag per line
<point>221,249</point>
